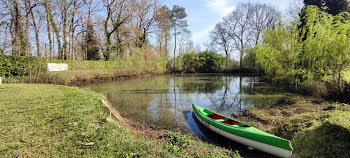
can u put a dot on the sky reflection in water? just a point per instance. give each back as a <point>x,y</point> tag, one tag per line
<point>165,101</point>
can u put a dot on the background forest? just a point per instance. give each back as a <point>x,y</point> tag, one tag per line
<point>306,49</point>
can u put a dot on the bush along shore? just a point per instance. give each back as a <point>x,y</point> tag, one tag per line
<point>59,121</point>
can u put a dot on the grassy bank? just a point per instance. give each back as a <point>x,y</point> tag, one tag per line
<point>58,121</point>
<point>78,77</point>
<point>15,69</point>
<point>315,128</point>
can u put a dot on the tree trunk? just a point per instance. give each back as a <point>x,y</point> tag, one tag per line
<point>15,21</point>
<point>166,45</point>
<point>36,31</point>
<point>65,51</point>
<point>175,48</point>
<point>72,32</point>
<point>241,55</point>
<point>49,35</point>
<point>55,29</point>
<point>26,28</point>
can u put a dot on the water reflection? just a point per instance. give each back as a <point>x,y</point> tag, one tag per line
<point>165,101</point>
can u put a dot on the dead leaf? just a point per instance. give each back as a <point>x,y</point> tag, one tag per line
<point>89,144</point>
<point>132,142</point>
<point>4,132</point>
<point>22,141</point>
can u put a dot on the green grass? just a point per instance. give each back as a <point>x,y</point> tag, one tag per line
<point>59,121</point>
<point>314,127</point>
<point>88,64</point>
<point>76,77</point>
<point>319,134</point>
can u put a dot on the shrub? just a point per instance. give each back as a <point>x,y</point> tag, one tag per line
<point>15,66</point>
<point>87,64</point>
<point>204,62</point>
<point>177,139</point>
<point>316,89</point>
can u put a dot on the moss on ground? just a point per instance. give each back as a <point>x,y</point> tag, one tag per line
<point>59,121</point>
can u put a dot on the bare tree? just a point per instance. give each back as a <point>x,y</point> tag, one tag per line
<point>145,14</point>
<point>163,28</point>
<point>5,24</point>
<point>26,27</point>
<point>18,40</point>
<point>64,8</point>
<point>220,38</point>
<point>237,25</point>
<point>30,12</point>
<point>263,16</point>
<point>54,27</point>
<point>243,27</point>
<point>185,36</point>
<point>118,25</point>
<point>178,15</point>
<point>294,9</point>
<point>117,14</point>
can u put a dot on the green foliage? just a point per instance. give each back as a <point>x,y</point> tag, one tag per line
<point>143,60</point>
<point>211,62</point>
<point>326,46</point>
<point>16,66</point>
<point>318,51</point>
<point>91,44</point>
<point>249,59</point>
<point>279,54</point>
<point>87,65</point>
<point>333,7</point>
<point>204,62</point>
<point>318,134</point>
<point>155,63</point>
<point>347,76</point>
<point>190,62</point>
<point>177,139</point>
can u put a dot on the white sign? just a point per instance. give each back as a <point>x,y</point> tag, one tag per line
<point>57,67</point>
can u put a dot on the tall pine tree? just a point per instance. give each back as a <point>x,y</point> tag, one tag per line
<point>178,15</point>
<point>91,46</point>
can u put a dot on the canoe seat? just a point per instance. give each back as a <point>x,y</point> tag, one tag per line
<point>215,116</point>
<point>230,122</point>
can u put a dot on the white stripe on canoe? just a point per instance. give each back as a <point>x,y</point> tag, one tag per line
<point>251,143</point>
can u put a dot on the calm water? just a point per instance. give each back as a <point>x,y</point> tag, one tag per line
<point>165,101</point>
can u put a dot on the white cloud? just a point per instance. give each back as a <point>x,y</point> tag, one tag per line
<point>202,36</point>
<point>221,7</point>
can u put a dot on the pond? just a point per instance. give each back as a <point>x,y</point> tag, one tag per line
<point>166,101</point>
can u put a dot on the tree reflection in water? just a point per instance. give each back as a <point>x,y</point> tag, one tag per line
<point>163,100</point>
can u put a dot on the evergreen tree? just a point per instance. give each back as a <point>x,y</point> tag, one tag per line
<point>178,15</point>
<point>92,48</point>
<point>333,7</point>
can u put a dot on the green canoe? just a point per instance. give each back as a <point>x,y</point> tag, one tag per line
<point>243,133</point>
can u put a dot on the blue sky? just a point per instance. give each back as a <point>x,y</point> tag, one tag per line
<point>204,14</point>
